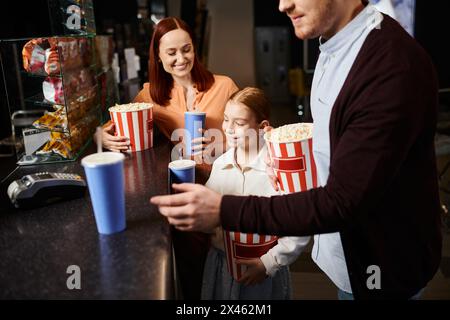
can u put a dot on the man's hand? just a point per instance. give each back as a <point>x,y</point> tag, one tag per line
<point>255,273</point>
<point>197,208</point>
<point>269,166</point>
<point>112,142</point>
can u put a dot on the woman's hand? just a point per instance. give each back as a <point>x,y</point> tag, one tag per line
<point>255,273</point>
<point>112,142</point>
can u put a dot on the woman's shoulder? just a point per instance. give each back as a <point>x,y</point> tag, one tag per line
<point>145,87</point>
<point>222,80</point>
<point>144,94</point>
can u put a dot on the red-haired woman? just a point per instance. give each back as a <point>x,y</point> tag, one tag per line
<point>179,83</point>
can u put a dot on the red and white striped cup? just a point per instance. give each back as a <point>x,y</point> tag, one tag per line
<point>294,164</point>
<point>135,125</point>
<point>244,246</point>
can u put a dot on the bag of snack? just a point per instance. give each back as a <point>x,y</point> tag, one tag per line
<point>52,120</point>
<point>33,55</point>
<point>53,90</point>
<point>52,63</point>
<point>60,147</point>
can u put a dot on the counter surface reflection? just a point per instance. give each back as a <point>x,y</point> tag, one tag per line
<point>39,246</point>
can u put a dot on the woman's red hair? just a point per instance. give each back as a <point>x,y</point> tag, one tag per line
<point>161,82</point>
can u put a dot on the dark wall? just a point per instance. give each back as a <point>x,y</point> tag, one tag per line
<point>266,14</point>
<point>20,19</point>
<point>432,32</point>
<point>189,11</point>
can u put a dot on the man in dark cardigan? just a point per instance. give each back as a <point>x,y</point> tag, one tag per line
<point>375,152</point>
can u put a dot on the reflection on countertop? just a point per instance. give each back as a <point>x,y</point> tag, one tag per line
<point>38,245</point>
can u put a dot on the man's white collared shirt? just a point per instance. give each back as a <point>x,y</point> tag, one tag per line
<point>337,56</point>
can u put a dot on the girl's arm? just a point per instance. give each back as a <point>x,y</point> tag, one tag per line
<point>284,253</point>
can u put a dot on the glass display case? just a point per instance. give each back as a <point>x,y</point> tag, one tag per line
<point>58,88</point>
<point>53,95</point>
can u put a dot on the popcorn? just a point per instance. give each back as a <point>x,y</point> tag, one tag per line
<point>134,121</point>
<point>290,133</point>
<point>130,107</point>
<point>291,150</point>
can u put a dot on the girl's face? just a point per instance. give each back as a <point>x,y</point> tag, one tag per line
<point>238,123</point>
<point>176,52</point>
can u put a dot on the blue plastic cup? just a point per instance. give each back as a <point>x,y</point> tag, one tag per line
<point>193,122</point>
<point>105,178</point>
<point>181,171</point>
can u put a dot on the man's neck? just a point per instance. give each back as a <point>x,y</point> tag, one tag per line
<point>348,14</point>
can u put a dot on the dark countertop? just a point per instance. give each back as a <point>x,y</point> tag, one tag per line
<point>38,245</point>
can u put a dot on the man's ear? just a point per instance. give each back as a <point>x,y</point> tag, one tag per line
<point>264,124</point>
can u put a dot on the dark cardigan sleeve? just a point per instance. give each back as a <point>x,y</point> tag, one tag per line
<point>384,98</point>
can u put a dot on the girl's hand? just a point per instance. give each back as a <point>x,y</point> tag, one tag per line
<point>255,273</point>
<point>199,149</point>
<point>112,142</point>
<point>206,149</point>
<point>200,144</point>
<point>270,174</point>
<point>269,167</point>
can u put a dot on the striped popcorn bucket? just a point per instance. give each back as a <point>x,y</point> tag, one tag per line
<point>137,126</point>
<point>243,246</point>
<point>294,165</point>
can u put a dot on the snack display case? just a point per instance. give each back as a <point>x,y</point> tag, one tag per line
<point>58,88</point>
<point>53,95</point>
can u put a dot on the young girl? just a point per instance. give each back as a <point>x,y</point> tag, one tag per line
<point>241,171</point>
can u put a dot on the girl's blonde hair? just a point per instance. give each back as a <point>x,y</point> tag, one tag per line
<point>255,100</point>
